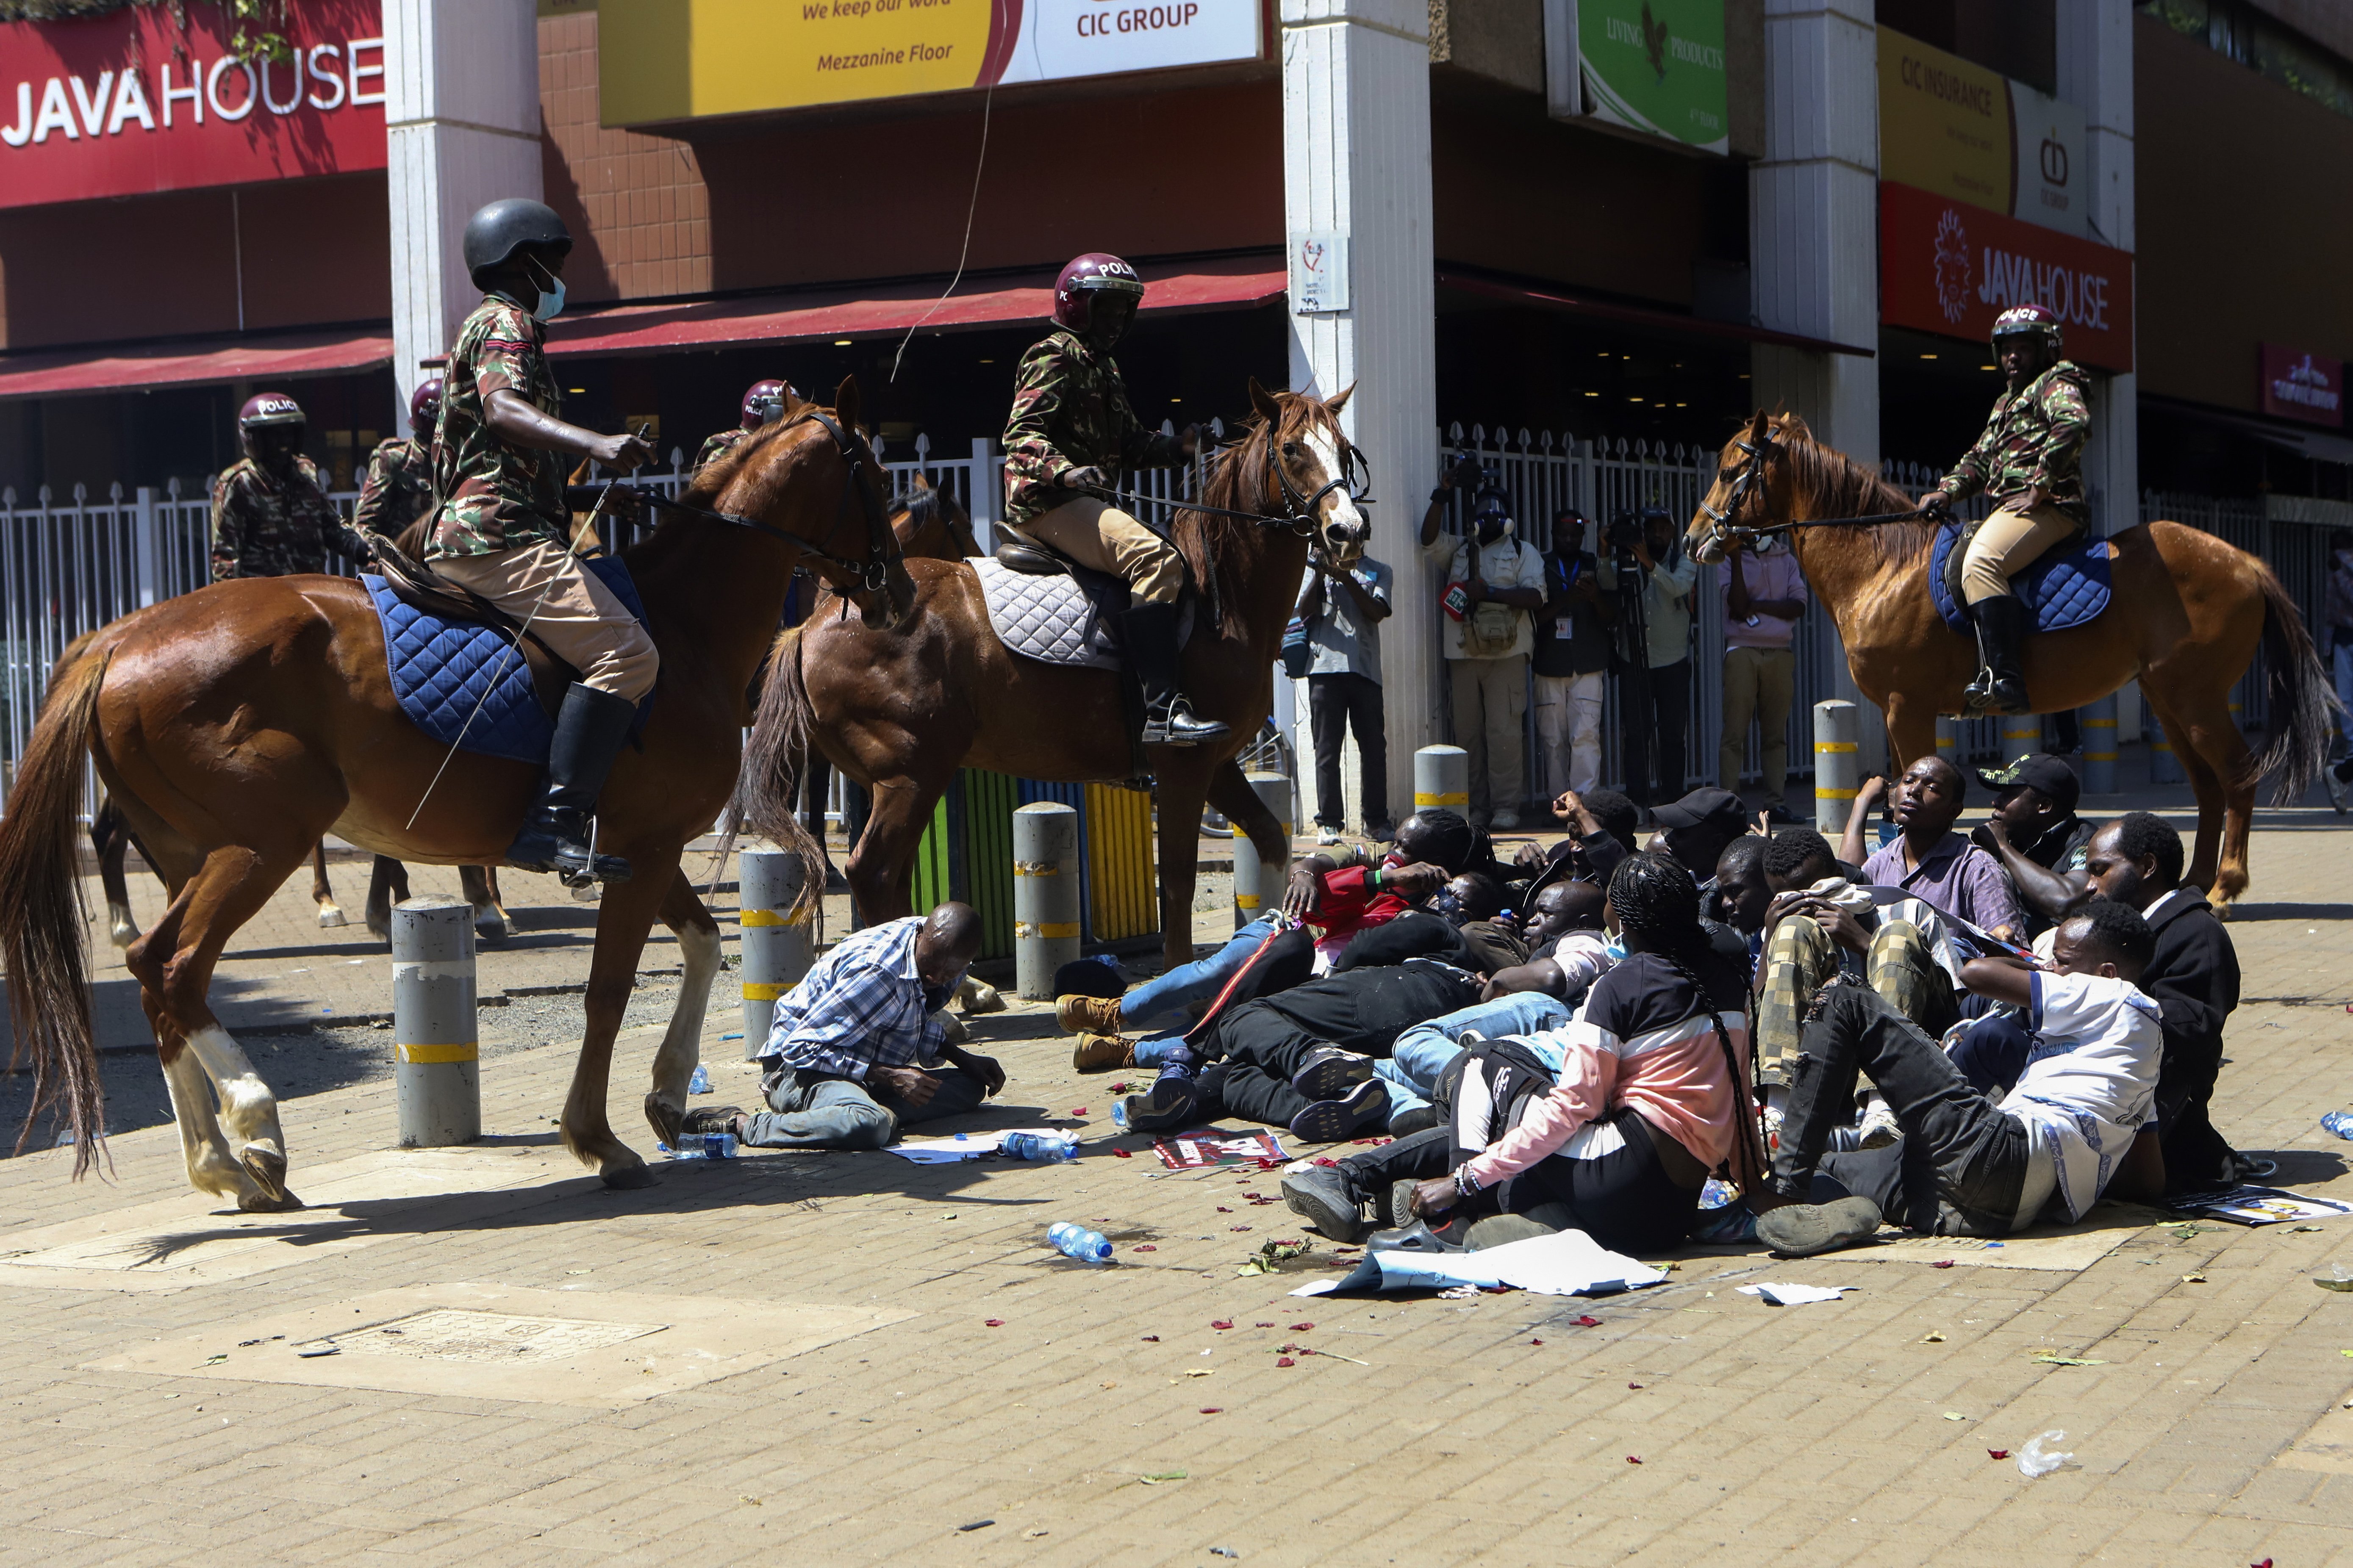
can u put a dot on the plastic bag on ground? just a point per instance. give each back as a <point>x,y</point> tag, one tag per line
<point>2041,1456</point>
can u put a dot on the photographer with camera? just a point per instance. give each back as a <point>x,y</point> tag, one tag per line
<point>1644,565</point>
<point>1493,580</point>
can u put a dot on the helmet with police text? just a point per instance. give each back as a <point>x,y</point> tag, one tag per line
<point>1090,275</point>
<point>496,232</point>
<point>270,423</point>
<point>764,401</point>
<point>2029,322</point>
<point>425,408</point>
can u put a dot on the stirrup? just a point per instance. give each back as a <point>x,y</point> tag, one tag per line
<point>1176,726</point>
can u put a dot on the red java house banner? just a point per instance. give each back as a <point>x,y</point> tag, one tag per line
<point>1948,267</point>
<point>132,101</point>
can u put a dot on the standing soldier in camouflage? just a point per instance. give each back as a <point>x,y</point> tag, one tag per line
<point>271,517</point>
<point>399,488</point>
<point>502,521</point>
<point>762,401</point>
<point>1073,434</point>
<point>2030,461</point>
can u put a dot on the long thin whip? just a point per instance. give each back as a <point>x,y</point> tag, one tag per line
<point>987,103</point>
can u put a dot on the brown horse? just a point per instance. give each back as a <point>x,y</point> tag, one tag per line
<point>932,524</point>
<point>2187,616</point>
<point>235,725</point>
<point>900,712</point>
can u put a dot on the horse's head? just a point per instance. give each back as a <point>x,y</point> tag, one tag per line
<point>1747,493</point>
<point>932,523</point>
<point>838,514</point>
<point>1317,470</point>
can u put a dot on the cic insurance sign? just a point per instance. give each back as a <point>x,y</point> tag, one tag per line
<point>132,101</point>
<point>1948,267</point>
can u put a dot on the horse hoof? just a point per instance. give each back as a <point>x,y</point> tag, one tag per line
<point>330,917</point>
<point>493,928</point>
<point>267,1166</point>
<point>981,998</point>
<point>668,1120</point>
<point>629,1178</point>
<point>122,931</point>
<point>262,1203</point>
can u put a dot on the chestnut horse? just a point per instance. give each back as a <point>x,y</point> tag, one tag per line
<point>235,725</point>
<point>2187,616</point>
<point>898,711</point>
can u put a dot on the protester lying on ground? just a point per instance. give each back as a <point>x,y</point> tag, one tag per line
<point>1602,826</point>
<point>1650,1097</point>
<point>1567,949</point>
<point>1695,829</point>
<point>2079,1122</point>
<point>2038,838</point>
<point>1927,859</point>
<point>859,1048</point>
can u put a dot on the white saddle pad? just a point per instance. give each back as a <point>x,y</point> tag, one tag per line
<point>1050,619</point>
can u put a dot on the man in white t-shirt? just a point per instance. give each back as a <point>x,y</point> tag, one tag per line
<point>2079,1122</point>
<point>1490,581</point>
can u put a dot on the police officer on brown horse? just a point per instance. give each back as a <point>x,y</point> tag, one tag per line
<point>399,488</point>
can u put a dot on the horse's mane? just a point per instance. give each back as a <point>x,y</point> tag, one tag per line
<point>1228,546</point>
<point>1837,485</point>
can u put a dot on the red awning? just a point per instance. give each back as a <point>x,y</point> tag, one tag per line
<point>1635,315</point>
<point>882,312</point>
<point>64,371</point>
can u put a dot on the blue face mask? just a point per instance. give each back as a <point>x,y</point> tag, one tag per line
<point>550,306</point>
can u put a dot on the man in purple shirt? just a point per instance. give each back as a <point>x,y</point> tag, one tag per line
<point>1764,594</point>
<point>1927,859</point>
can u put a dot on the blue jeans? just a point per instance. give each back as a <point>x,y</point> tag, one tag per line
<point>836,1114</point>
<point>1422,1052</point>
<point>1188,982</point>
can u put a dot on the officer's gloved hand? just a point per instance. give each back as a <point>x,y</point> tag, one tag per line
<point>1086,479</point>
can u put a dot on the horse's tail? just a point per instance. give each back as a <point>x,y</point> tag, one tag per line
<point>767,794</point>
<point>41,919</point>
<point>2302,704</point>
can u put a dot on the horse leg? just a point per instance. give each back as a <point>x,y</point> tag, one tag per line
<point>330,914</point>
<point>1911,731</point>
<point>880,868</point>
<point>624,915</point>
<point>1184,780</point>
<point>387,886</point>
<point>2213,754</point>
<point>681,1044</point>
<point>109,836</point>
<point>481,885</point>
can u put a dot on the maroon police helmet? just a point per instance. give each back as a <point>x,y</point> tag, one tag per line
<point>2031,320</point>
<point>1095,273</point>
<point>425,408</point>
<point>762,401</point>
<point>266,409</point>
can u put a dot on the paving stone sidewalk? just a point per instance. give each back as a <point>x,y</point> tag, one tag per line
<point>681,1373</point>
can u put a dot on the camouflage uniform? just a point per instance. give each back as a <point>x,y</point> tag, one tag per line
<point>399,488</point>
<point>1071,411</point>
<point>2033,441</point>
<point>266,527</point>
<point>495,497</point>
<point>719,446</point>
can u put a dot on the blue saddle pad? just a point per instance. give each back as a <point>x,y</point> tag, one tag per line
<point>441,670</point>
<point>2067,587</point>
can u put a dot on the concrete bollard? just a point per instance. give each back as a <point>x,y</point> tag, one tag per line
<point>2022,735</point>
<point>1046,872</point>
<point>776,945</point>
<point>1257,888</point>
<point>1838,764</point>
<point>435,1074</point>
<point>1441,776</point>
<point>1948,739</point>
<point>2099,724</point>
<point>2164,767</point>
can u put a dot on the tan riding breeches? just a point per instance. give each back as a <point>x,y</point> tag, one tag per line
<point>2007,544</point>
<point>579,617</point>
<point>1095,533</point>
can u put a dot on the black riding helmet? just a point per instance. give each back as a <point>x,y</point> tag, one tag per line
<point>496,232</point>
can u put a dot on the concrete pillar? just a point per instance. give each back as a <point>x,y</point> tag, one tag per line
<point>775,943</point>
<point>1355,165</point>
<point>2095,41</point>
<point>1046,872</point>
<point>1813,245</point>
<point>1837,771</point>
<point>436,1074</point>
<point>1441,776</point>
<point>461,128</point>
<point>1258,887</point>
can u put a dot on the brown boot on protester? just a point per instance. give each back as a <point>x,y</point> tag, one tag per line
<point>1102,1053</point>
<point>1084,1014</point>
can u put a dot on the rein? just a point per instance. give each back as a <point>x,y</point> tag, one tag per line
<point>1301,516</point>
<point>871,574</point>
<point>1759,448</point>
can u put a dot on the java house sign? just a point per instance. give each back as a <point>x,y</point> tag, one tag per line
<point>1948,267</point>
<point>134,102</point>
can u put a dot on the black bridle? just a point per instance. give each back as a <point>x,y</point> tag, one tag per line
<point>1747,481</point>
<point>1300,508</point>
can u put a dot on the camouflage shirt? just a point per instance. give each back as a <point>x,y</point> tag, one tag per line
<point>494,496</point>
<point>1071,411</point>
<point>266,527</point>
<point>719,446</point>
<point>399,488</point>
<point>2033,441</point>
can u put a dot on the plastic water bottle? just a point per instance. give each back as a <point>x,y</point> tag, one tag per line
<point>2340,1123</point>
<point>1044,1146</point>
<point>1073,1241</point>
<point>701,1082</point>
<point>705,1146</point>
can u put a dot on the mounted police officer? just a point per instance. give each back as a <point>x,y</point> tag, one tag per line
<point>2030,461</point>
<point>1072,432</point>
<point>503,523</point>
<point>762,401</point>
<point>399,488</point>
<point>271,516</point>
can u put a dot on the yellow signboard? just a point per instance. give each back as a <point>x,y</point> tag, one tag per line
<point>1943,123</point>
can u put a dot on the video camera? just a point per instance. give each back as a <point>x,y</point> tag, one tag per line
<point>1624,532</point>
<point>1469,474</point>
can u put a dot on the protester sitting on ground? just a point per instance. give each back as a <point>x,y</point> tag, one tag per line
<point>1740,893</point>
<point>1567,949</point>
<point>2079,1122</point>
<point>1602,826</point>
<point>2036,835</point>
<point>1695,829</point>
<point>1651,1097</point>
<point>1927,859</point>
<point>859,1048</point>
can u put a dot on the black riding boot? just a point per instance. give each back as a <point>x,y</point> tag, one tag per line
<point>1149,632</point>
<point>2000,684</point>
<point>556,837</point>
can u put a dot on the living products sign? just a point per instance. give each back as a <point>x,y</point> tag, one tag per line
<point>133,101</point>
<point>678,59</point>
<point>1656,67</point>
<point>1949,267</point>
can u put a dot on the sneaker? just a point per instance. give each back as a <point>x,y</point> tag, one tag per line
<point>1400,1215</point>
<point>1166,1106</point>
<point>1335,1121</point>
<point>1879,1127</point>
<point>1084,1014</point>
<point>2337,787</point>
<point>1319,1194</point>
<point>706,1119</point>
<point>1503,1229</point>
<point>1326,835</point>
<point>1421,1236</point>
<point>1330,1072</point>
<point>1103,1053</point>
<point>1800,1230</point>
<point>1505,821</point>
<point>1381,832</point>
<point>1420,1118</point>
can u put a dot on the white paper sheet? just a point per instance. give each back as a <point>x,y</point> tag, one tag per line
<point>1567,1263</point>
<point>1794,1295</point>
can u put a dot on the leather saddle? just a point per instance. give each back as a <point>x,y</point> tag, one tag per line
<point>1034,558</point>
<point>418,585</point>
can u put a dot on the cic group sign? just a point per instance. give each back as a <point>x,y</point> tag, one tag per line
<point>133,101</point>
<point>1948,267</point>
<point>679,59</point>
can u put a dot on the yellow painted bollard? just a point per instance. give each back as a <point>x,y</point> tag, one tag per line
<point>436,1075</point>
<point>2022,736</point>
<point>2099,723</point>
<point>1046,872</point>
<point>776,945</point>
<point>1257,888</point>
<point>1441,776</point>
<point>1838,763</point>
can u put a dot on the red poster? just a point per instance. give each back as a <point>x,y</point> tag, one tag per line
<point>134,102</point>
<point>2301,385</point>
<point>1948,267</point>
